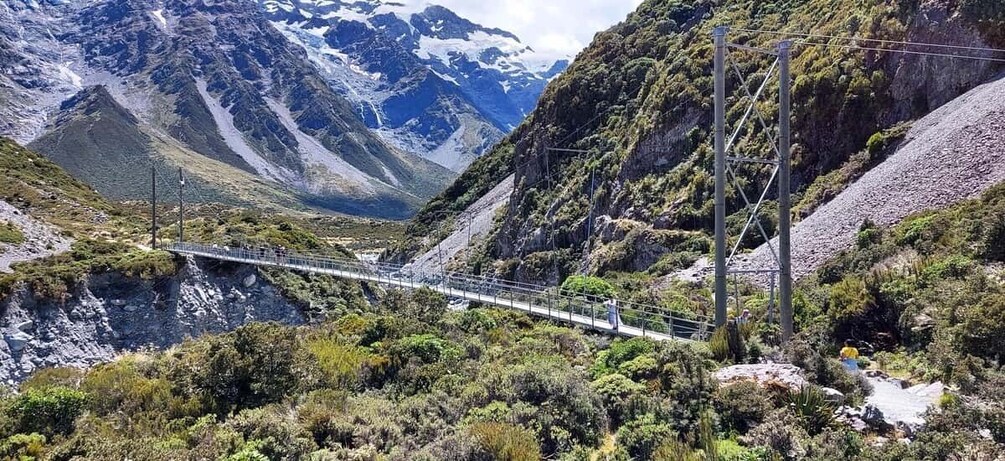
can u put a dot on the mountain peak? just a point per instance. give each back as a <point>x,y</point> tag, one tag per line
<point>483,81</point>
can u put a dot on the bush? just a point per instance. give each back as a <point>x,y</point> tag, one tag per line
<point>48,411</point>
<point>643,435</point>
<point>595,288</point>
<point>10,234</point>
<point>505,442</point>
<point>620,352</point>
<point>272,433</point>
<point>810,404</point>
<point>427,348</point>
<point>341,364</point>
<point>983,328</point>
<point>617,392</point>
<point>849,298</point>
<point>742,406</point>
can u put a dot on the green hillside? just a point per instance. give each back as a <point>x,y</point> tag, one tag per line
<point>639,98</point>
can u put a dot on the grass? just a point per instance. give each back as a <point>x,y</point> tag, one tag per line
<point>10,234</point>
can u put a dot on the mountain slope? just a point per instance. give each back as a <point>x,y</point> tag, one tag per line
<point>952,154</point>
<point>639,99</point>
<point>221,81</point>
<point>425,78</point>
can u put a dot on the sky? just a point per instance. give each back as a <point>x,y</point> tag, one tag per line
<point>556,29</point>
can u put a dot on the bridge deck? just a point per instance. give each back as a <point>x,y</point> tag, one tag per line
<point>540,304</point>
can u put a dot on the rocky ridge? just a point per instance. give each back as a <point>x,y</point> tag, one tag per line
<point>40,239</point>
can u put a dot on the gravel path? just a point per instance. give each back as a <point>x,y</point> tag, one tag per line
<point>40,239</point>
<point>953,154</point>
<point>482,214</point>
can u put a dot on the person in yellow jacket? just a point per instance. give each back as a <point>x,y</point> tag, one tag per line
<point>849,356</point>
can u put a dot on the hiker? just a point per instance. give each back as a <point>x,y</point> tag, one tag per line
<point>744,317</point>
<point>612,313</point>
<point>849,356</point>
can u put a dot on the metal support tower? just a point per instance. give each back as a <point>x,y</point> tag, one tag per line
<point>720,175</point>
<point>725,171</point>
<point>181,206</point>
<point>153,207</point>
<point>784,191</point>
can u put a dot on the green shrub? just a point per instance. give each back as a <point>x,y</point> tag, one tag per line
<point>617,391</point>
<point>620,352</point>
<point>273,433</point>
<point>595,288</point>
<point>505,442</point>
<point>812,407</point>
<point>742,406</point>
<point>23,447</point>
<point>48,411</point>
<point>427,348</point>
<point>342,364</point>
<point>849,298</point>
<point>10,234</point>
<point>644,435</point>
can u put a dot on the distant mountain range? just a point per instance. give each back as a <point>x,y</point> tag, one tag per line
<point>428,80</point>
<point>361,108</point>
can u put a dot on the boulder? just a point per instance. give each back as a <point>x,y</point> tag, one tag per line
<point>26,325</point>
<point>874,418</point>
<point>250,281</point>
<point>765,374</point>
<point>833,395</point>
<point>17,340</point>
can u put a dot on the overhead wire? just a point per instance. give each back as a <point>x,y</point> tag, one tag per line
<point>874,40</point>
<point>885,42</point>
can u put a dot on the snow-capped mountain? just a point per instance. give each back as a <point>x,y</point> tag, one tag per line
<point>108,87</point>
<point>426,79</point>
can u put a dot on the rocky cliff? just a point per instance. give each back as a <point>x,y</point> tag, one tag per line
<point>109,314</point>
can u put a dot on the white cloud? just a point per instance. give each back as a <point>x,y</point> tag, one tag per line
<point>554,28</point>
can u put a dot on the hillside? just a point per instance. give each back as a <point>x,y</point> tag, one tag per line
<point>638,100</point>
<point>79,284</point>
<point>951,154</point>
<point>386,374</point>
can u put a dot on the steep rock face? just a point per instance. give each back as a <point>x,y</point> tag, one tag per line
<point>219,80</point>
<point>110,314</point>
<point>639,101</point>
<point>426,78</point>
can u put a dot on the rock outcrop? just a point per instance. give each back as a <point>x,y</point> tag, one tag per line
<point>110,313</point>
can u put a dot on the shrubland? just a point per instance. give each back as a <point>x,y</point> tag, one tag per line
<point>412,379</point>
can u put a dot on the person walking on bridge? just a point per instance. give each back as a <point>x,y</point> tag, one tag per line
<point>612,313</point>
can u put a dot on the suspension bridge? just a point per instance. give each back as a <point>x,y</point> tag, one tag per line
<point>579,309</point>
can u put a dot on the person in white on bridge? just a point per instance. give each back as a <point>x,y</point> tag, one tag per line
<point>612,313</point>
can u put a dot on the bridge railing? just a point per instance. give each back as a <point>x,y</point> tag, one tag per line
<point>633,318</point>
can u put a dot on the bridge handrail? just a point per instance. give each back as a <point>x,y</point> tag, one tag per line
<point>531,295</point>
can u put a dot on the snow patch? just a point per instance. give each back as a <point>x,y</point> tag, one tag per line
<point>159,15</point>
<point>67,75</point>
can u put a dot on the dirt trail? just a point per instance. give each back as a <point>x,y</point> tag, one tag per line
<point>953,154</point>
